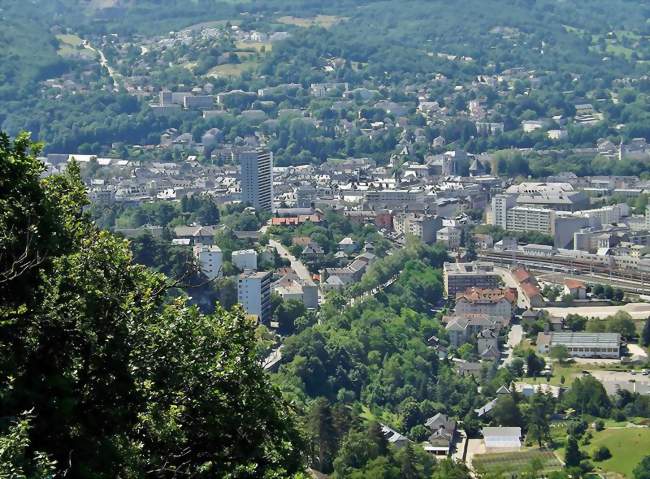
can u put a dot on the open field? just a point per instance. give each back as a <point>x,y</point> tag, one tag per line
<point>628,446</point>
<point>71,46</point>
<point>513,463</point>
<point>257,46</point>
<point>232,69</point>
<point>325,21</point>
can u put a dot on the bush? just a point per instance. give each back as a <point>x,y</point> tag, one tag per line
<point>599,425</point>
<point>577,428</point>
<point>602,454</point>
<point>618,416</point>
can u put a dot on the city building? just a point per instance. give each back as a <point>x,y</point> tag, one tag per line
<point>245,259</point>
<point>209,259</point>
<point>421,226</point>
<point>500,206</point>
<point>492,302</point>
<point>521,218</point>
<point>254,294</point>
<point>460,276</point>
<point>450,236</point>
<point>257,179</point>
<point>582,345</point>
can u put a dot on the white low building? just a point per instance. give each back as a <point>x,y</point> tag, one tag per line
<point>502,438</point>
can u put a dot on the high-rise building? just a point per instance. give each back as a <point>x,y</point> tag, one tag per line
<point>500,206</point>
<point>254,294</point>
<point>257,179</point>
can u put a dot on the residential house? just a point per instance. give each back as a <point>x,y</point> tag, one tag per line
<point>443,431</point>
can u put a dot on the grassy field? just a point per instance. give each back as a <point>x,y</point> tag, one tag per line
<point>256,46</point>
<point>70,46</point>
<point>232,69</point>
<point>325,21</point>
<point>628,446</point>
<point>513,463</point>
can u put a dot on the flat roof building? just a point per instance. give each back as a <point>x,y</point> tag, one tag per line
<point>461,276</point>
<point>254,294</point>
<point>583,345</point>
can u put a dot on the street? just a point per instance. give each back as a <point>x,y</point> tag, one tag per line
<point>515,336</point>
<point>511,282</point>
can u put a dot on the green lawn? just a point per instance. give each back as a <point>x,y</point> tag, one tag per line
<point>325,21</point>
<point>509,463</point>
<point>628,446</point>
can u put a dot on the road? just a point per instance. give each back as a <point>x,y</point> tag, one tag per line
<point>515,336</point>
<point>373,291</point>
<point>511,282</point>
<point>297,265</point>
<point>104,63</point>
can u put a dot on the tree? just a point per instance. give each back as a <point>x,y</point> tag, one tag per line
<point>506,412</point>
<point>572,455</point>
<point>407,463</point>
<point>642,470</point>
<point>323,434</point>
<point>602,454</point>
<point>121,379</point>
<point>575,322</point>
<point>286,314</point>
<point>16,459</point>
<point>534,364</point>
<point>645,334</point>
<point>560,353</point>
<point>588,396</point>
<point>538,415</point>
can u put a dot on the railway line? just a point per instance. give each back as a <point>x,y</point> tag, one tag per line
<point>628,280</point>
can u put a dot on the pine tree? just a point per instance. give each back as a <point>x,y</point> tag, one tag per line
<point>323,433</point>
<point>572,454</point>
<point>407,463</point>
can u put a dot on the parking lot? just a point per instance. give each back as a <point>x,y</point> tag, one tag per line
<point>614,380</point>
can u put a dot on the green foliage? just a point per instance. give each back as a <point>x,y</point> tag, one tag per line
<point>17,460</point>
<point>560,353</point>
<point>587,396</point>
<point>621,323</point>
<point>118,382</point>
<point>645,334</point>
<point>572,455</point>
<point>506,412</point>
<point>602,454</point>
<point>642,471</point>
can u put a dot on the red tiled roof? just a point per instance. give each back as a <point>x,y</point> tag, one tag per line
<point>574,284</point>
<point>486,294</point>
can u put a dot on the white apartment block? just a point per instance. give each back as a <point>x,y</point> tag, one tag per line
<point>254,294</point>
<point>209,259</point>
<point>521,218</point>
<point>245,259</point>
<point>500,206</point>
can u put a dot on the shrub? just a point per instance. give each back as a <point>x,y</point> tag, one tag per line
<point>602,454</point>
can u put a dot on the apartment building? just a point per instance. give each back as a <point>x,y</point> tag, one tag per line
<point>254,294</point>
<point>461,276</point>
